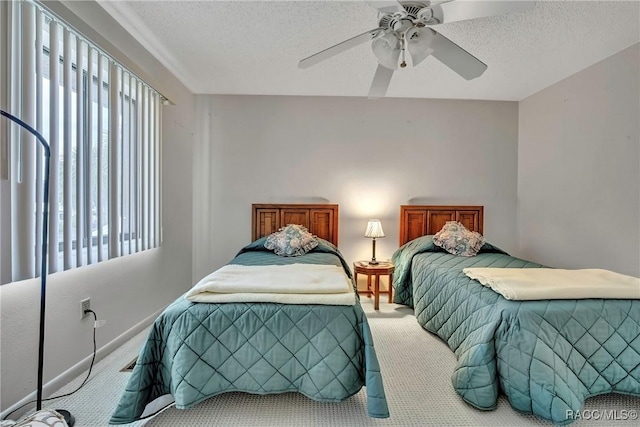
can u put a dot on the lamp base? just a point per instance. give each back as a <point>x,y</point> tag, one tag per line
<point>373,262</point>
<point>68,418</point>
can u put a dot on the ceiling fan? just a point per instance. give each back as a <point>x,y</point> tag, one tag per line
<point>405,26</point>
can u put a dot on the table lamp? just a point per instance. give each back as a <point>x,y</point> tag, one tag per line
<point>374,230</point>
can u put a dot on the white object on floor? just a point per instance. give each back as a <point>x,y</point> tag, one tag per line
<point>42,418</point>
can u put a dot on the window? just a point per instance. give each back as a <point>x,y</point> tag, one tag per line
<point>103,127</point>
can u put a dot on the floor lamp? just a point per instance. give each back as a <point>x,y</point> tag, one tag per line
<point>43,267</point>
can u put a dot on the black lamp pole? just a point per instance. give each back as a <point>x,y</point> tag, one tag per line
<point>45,233</point>
<point>43,267</point>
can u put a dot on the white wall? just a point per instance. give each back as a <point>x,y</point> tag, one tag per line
<point>124,291</point>
<point>579,169</point>
<point>368,156</point>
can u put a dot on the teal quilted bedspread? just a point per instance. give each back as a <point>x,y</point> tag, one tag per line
<point>195,350</point>
<point>546,356</point>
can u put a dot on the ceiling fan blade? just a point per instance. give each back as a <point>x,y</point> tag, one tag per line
<point>456,58</point>
<point>386,6</point>
<point>463,10</point>
<point>339,48</point>
<point>380,82</point>
<point>419,44</point>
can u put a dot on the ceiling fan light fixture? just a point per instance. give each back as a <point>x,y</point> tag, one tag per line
<point>419,42</point>
<point>387,50</point>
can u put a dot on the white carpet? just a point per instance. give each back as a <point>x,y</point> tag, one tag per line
<point>416,368</point>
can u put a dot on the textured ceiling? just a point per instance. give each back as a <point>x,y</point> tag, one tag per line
<point>253,47</point>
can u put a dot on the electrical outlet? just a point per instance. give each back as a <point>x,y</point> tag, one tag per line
<point>86,305</point>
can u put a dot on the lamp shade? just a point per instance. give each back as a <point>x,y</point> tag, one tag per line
<point>419,42</point>
<point>387,50</point>
<point>374,229</point>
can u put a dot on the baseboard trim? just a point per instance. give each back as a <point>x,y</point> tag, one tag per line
<point>70,374</point>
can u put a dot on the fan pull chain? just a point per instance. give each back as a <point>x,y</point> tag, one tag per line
<point>403,64</point>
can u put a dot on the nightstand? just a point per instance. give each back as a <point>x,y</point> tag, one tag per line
<point>375,271</point>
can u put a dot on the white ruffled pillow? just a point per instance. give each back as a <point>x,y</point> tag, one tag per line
<point>456,239</point>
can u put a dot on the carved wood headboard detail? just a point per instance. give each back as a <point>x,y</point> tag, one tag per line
<point>421,220</point>
<point>320,219</point>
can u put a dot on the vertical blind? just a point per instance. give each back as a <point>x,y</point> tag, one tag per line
<point>103,126</point>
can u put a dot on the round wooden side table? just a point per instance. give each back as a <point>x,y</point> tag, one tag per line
<point>375,271</point>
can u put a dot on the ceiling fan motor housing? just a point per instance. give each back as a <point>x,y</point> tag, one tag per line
<point>414,14</point>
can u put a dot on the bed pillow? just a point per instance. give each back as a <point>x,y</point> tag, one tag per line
<point>292,240</point>
<point>456,239</point>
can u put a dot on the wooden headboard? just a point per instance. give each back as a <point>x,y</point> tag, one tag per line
<point>321,220</point>
<point>421,220</point>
